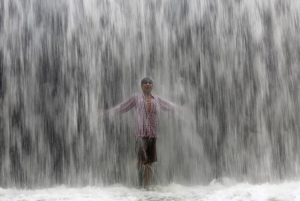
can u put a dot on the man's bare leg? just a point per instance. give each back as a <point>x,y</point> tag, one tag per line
<point>140,169</point>
<point>147,174</point>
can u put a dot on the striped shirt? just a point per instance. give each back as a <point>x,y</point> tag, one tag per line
<point>146,120</point>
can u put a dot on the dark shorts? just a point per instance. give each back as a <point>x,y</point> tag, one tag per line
<point>146,150</point>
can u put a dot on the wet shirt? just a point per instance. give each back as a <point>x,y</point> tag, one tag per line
<point>146,115</point>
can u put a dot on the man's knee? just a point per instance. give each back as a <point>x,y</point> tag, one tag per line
<point>148,167</point>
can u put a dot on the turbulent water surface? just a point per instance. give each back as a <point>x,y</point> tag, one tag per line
<point>287,191</point>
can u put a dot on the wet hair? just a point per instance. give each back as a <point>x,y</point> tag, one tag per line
<point>146,80</point>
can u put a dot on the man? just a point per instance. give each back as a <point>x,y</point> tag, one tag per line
<point>147,108</point>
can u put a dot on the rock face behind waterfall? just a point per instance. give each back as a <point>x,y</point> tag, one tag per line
<point>234,66</point>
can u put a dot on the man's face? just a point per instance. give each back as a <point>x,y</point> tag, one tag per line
<point>147,87</point>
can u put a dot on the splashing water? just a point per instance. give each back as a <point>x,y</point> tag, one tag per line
<point>214,192</point>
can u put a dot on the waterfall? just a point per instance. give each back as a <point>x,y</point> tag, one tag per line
<point>234,65</point>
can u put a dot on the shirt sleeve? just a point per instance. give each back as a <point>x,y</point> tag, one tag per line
<point>166,105</point>
<point>125,106</point>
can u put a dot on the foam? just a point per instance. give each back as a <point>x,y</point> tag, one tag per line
<point>289,191</point>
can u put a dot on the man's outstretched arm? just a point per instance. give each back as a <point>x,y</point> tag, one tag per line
<point>178,110</point>
<point>124,106</point>
<point>166,105</point>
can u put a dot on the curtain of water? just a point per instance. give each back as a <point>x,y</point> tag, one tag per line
<point>233,64</point>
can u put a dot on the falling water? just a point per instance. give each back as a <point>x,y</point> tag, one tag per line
<point>233,65</point>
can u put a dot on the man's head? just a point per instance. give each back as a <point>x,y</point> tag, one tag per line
<point>147,85</point>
